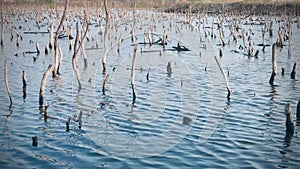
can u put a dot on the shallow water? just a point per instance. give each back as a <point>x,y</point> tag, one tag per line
<point>247,131</point>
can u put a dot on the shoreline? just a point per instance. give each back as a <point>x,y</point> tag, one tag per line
<point>241,8</point>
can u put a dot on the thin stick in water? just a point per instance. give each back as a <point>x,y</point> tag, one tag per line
<point>224,75</point>
<point>105,37</point>
<point>24,84</point>
<point>2,24</point>
<point>6,83</point>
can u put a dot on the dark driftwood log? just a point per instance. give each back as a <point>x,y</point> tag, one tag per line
<point>274,65</point>
<point>224,75</point>
<point>43,85</point>
<point>6,83</point>
<point>133,75</point>
<point>180,47</point>
<point>293,73</point>
<point>35,32</point>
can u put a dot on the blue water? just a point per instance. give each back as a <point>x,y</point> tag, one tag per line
<point>246,132</point>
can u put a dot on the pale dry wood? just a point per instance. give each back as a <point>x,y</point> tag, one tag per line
<point>107,19</point>
<point>58,31</point>
<point>51,35</point>
<point>133,74</point>
<point>43,85</point>
<point>225,78</point>
<point>74,61</point>
<point>6,83</point>
<point>134,22</point>
<point>274,65</point>
<point>60,58</point>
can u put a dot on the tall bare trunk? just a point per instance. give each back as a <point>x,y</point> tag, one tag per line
<point>74,61</point>
<point>43,85</point>
<point>2,24</point>
<point>133,75</point>
<point>134,22</point>
<point>51,35</point>
<point>274,65</point>
<point>105,37</point>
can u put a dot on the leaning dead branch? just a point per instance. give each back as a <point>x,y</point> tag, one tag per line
<point>6,83</point>
<point>74,61</point>
<point>225,77</point>
<point>274,65</point>
<point>43,85</point>
<point>105,37</point>
<point>133,75</point>
<point>85,29</point>
<point>58,31</point>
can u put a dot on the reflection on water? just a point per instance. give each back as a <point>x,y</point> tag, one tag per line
<point>178,120</point>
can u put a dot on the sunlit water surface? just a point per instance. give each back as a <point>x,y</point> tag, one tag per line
<point>246,131</point>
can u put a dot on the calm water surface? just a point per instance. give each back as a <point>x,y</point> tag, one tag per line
<point>247,131</point>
